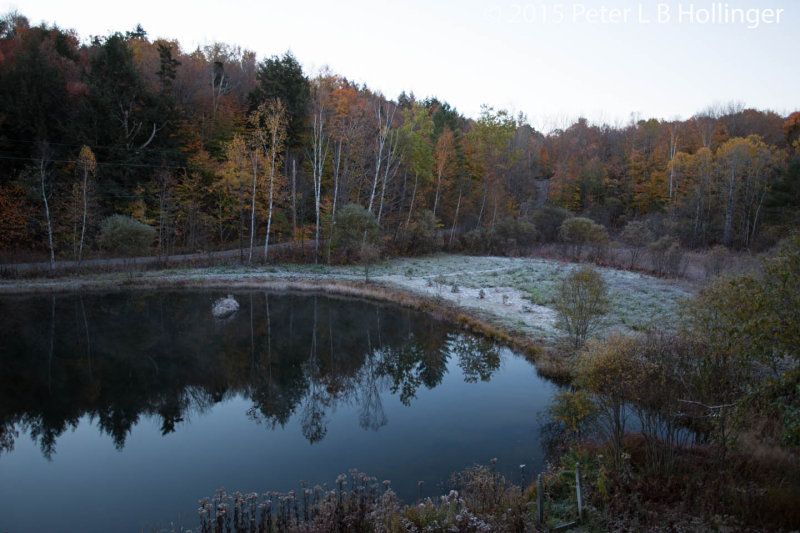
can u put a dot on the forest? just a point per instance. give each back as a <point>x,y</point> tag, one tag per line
<point>113,137</point>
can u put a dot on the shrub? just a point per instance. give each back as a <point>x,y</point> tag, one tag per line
<point>578,232</point>
<point>581,300</point>
<point>750,325</point>
<point>355,225</point>
<point>126,236</point>
<point>667,257</point>
<point>714,261</point>
<point>636,236</point>
<point>368,254</point>
<point>610,370</point>
<point>505,238</point>
<point>422,235</point>
<point>511,233</point>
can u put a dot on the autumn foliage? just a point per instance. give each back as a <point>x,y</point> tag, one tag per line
<point>177,141</point>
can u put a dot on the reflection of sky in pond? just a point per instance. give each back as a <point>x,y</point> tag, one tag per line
<point>88,483</point>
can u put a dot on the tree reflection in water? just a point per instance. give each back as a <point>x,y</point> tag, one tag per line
<point>123,356</point>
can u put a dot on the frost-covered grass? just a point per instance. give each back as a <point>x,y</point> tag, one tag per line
<point>520,292</point>
<point>515,293</point>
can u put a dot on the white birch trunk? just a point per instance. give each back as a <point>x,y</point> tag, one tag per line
<point>337,158</point>
<point>455,218</point>
<point>319,157</point>
<point>43,181</point>
<point>413,195</point>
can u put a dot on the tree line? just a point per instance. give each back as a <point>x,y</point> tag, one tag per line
<point>212,148</point>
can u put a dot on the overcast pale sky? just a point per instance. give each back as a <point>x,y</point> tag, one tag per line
<point>552,60</point>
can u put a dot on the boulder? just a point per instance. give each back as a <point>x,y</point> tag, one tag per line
<point>224,307</point>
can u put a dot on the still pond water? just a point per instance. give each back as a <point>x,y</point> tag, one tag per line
<point>126,408</point>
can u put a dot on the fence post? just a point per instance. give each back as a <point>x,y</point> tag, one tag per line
<point>539,500</point>
<point>578,490</point>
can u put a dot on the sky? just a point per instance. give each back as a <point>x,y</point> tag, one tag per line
<point>608,60</point>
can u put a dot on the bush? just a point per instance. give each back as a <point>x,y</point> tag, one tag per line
<point>609,370</point>
<point>355,225</point>
<point>582,298</point>
<point>751,326</point>
<point>578,232</point>
<point>123,235</point>
<point>422,235</point>
<point>667,257</point>
<point>513,233</point>
<point>636,236</point>
<point>506,238</point>
<point>715,260</point>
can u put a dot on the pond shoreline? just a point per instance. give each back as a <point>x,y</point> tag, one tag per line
<point>550,362</point>
<point>508,300</point>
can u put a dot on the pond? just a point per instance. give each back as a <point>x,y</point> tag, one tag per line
<point>119,411</point>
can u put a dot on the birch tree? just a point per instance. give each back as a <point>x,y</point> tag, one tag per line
<point>384,112</point>
<point>255,157</point>
<point>43,172</point>
<point>86,169</point>
<point>271,134</point>
<point>320,145</point>
<point>674,137</point>
<point>745,167</point>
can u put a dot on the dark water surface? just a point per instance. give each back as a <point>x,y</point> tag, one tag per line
<point>126,408</point>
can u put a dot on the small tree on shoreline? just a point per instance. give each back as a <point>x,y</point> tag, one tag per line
<point>582,298</point>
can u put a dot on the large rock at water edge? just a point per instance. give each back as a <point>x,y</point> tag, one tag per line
<point>224,307</point>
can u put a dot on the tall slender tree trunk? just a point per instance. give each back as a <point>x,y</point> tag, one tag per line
<point>378,158</point>
<point>673,150</point>
<point>438,189</point>
<point>294,200</point>
<point>390,161</point>
<point>85,212</point>
<point>43,182</point>
<point>758,211</point>
<point>402,204</point>
<point>241,223</point>
<point>320,155</point>
<point>729,205</point>
<point>455,218</point>
<point>337,161</point>
<point>413,196</point>
<point>483,202</point>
